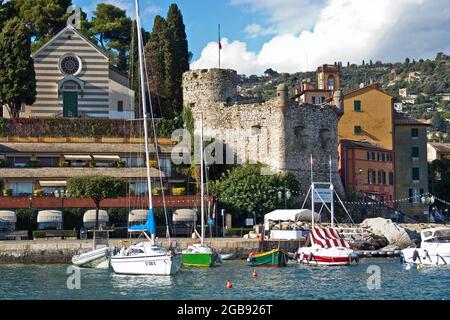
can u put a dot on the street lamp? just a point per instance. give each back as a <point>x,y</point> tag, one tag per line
<point>429,202</point>
<point>287,196</point>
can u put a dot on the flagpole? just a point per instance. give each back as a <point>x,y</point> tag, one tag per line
<point>219,46</point>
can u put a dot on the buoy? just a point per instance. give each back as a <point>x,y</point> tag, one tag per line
<point>229,284</point>
<point>254,274</point>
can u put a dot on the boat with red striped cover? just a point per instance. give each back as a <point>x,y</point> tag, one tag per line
<point>324,246</point>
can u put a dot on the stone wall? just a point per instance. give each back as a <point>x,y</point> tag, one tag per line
<point>279,132</point>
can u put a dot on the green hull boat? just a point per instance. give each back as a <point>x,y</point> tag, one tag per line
<point>199,259</point>
<point>274,258</point>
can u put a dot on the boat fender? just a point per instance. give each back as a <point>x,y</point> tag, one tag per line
<point>229,284</point>
<point>415,255</point>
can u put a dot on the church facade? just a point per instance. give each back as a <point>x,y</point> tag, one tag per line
<point>74,80</point>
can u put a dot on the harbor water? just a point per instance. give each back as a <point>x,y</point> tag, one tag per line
<point>373,278</point>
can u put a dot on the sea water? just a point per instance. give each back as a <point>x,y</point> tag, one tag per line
<point>371,279</point>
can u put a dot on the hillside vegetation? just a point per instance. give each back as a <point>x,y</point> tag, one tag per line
<point>428,79</point>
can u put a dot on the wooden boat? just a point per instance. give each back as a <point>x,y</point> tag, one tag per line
<point>274,258</point>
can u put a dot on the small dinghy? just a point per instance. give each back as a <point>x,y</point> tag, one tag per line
<point>227,256</point>
<point>100,255</point>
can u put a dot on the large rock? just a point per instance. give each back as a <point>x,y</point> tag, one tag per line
<point>396,235</point>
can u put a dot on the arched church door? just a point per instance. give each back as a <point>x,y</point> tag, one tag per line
<point>70,104</point>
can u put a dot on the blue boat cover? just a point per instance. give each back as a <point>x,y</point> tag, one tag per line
<point>150,226</point>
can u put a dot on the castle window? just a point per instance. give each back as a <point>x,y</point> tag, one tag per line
<point>191,105</point>
<point>256,130</point>
<point>300,136</point>
<point>357,106</point>
<point>358,130</point>
<point>119,106</point>
<point>325,137</point>
<point>415,152</point>
<point>414,132</point>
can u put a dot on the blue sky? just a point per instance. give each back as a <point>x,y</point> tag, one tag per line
<point>201,19</point>
<point>298,35</point>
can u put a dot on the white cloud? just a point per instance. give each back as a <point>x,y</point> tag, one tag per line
<point>234,55</point>
<point>253,30</point>
<point>285,16</point>
<point>346,30</point>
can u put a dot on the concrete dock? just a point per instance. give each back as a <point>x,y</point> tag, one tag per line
<point>62,251</point>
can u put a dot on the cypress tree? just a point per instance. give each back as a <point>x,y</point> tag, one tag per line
<point>156,51</point>
<point>17,75</point>
<point>179,60</point>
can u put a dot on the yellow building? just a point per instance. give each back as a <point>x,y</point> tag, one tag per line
<point>368,116</point>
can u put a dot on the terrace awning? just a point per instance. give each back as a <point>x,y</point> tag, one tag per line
<point>106,157</point>
<point>46,216</point>
<point>61,183</point>
<point>8,216</point>
<point>72,157</point>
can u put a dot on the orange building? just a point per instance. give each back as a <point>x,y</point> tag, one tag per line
<point>368,116</point>
<point>367,170</point>
<point>328,82</point>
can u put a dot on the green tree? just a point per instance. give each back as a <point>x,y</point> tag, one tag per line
<point>178,60</point>
<point>26,219</point>
<point>113,29</point>
<point>157,50</point>
<point>438,122</point>
<point>17,75</point>
<point>246,191</point>
<point>167,59</point>
<point>6,12</point>
<point>133,62</point>
<point>45,18</point>
<point>439,178</point>
<point>97,188</point>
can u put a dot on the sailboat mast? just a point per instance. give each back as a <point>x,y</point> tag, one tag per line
<point>144,104</point>
<point>202,187</point>
<point>332,194</point>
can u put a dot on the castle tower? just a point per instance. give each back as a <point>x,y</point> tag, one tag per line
<point>203,87</point>
<point>328,77</point>
<point>282,96</point>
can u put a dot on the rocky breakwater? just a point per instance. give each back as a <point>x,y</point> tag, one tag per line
<point>395,236</point>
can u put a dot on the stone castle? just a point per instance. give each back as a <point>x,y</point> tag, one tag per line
<point>280,132</point>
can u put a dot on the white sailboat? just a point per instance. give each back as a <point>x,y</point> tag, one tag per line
<point>201,255</point>
<point>145,258</point>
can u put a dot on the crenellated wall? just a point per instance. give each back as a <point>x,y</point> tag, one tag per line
<point>279,132</point>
